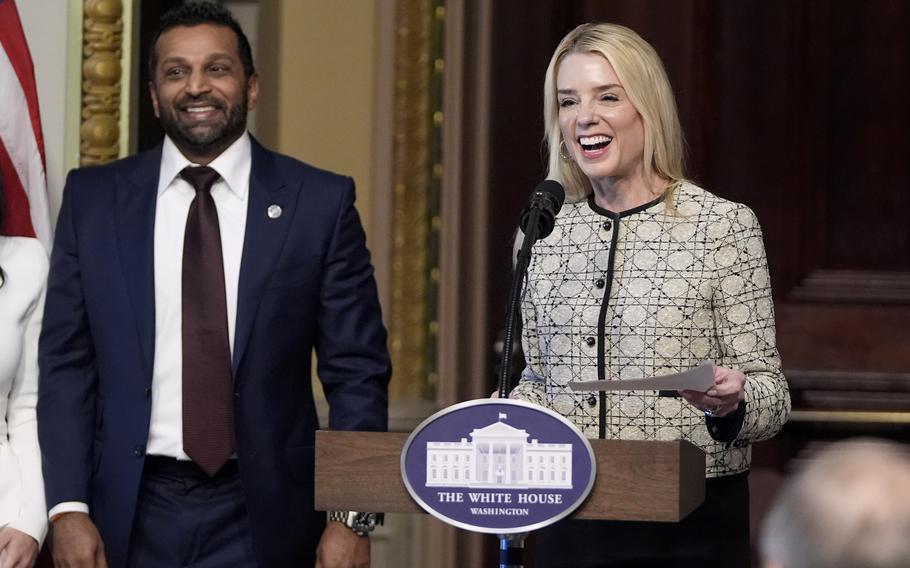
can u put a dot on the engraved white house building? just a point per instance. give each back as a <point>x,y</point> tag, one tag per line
<point>499,456</point>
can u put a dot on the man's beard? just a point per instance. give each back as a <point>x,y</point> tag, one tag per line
<point>210,141</point>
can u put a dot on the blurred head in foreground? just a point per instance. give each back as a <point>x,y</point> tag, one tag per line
<point>849,508</point>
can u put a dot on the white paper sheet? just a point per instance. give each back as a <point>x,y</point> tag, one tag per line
<point>700,379</point>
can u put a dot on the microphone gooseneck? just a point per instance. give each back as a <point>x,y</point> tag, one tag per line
<point>537,221</point>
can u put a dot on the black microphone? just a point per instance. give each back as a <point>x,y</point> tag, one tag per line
<point>547,199</point>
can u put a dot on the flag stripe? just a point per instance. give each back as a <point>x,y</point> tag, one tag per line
<point>23,153</point>
<point>22,161</point>
<point>14,44</point>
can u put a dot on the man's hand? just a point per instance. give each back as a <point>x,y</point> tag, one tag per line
<point>339,547</point>
<point>17,549</point>
<point>76,543</point>
<point>724,397</point>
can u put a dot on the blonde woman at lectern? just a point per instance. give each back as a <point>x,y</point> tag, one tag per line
<point>23,517</point>
<point>646,274</point>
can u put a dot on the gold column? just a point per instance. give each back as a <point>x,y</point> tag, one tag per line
<point>415,216</point>
<point>99,134</point>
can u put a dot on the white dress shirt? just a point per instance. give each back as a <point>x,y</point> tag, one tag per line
<point>175,195</point>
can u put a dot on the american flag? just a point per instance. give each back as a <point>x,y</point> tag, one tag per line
<point>22,163</point>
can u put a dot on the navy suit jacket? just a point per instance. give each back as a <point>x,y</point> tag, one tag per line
<point>305,282</point>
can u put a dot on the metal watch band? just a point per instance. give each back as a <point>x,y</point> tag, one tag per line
<point>361,523</point>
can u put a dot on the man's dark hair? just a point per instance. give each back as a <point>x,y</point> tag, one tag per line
<point>197,14</point>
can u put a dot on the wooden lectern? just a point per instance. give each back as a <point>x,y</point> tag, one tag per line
<point>636,480</point>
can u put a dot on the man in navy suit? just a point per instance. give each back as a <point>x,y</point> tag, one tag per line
<point>189,286</point>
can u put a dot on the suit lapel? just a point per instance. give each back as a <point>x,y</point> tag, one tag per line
<point>265,234</point>
<point>135,221</point>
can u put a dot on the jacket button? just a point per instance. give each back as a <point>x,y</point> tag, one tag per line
<point>148,392</point>
<point>592,400</point>
<point>590,341</point>
<point>139,451</point>
<point>607,225</point>
<point>600,283</point>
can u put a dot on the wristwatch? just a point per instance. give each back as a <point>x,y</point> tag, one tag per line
<point>361,523</point>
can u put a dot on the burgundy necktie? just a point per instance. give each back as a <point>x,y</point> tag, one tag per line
<point>208,422</point>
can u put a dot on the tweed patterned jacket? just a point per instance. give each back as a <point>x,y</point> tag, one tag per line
<point>648,292</point>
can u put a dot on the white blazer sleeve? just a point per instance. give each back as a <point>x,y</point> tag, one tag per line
<point>23,430</point>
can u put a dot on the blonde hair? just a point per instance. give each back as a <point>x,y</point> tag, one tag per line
<point>645,81</point>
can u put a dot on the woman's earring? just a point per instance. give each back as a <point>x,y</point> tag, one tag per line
<point>564,154</point>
